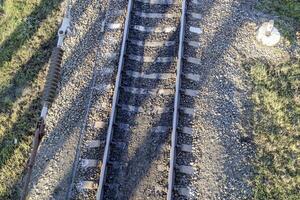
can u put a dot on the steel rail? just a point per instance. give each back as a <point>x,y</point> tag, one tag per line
<point>171,176</point>
<point>99,194</point>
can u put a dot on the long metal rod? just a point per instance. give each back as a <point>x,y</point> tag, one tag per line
<point>36,142</point>
<point>55,65</point>
<point>176,103</point>
<point>99,194</point>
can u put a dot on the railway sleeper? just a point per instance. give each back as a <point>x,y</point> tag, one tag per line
<point>140,109</point>
<point>89,163</point>
<point>195,15</point>
<point>184,169</point>
<point>183,191</point>
<point>194,44</point>
<point>149,67</point>
<point>148,83</point>
<point>156,76</point>
<point>103,87</point>
<point>190,92</point>
<point>155,15</point>
<point>82,186</point>
<point>186,130</point>
<point>154,19</point>
<point>154,36</point>
<point>142,43</point>
<point>159,2</point>
<point>185,148</point>
<point>147,59</point>
<point>188,111</point>
<point>95,143</point>
<point>143,91</point>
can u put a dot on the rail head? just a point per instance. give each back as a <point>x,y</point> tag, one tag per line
<point>176,103</point>
<point>99,194</point>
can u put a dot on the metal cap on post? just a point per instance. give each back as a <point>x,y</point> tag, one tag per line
<point>267,34</point>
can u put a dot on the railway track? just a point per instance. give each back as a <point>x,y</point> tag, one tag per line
<point>87,165</point>
<point>188,81</point>
<point>146,144</point>
<point>135,162</point>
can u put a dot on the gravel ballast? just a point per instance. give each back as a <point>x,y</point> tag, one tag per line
<point>67,117</point>
<point>222,132</point>
<point>138,161</point>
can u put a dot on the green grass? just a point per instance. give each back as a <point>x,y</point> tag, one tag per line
<point>276,97</point>
<point>284,8</point>
<point>28,29</point>
<point>27,35</point>
<point>289,12</point>
<point>1,8</point>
